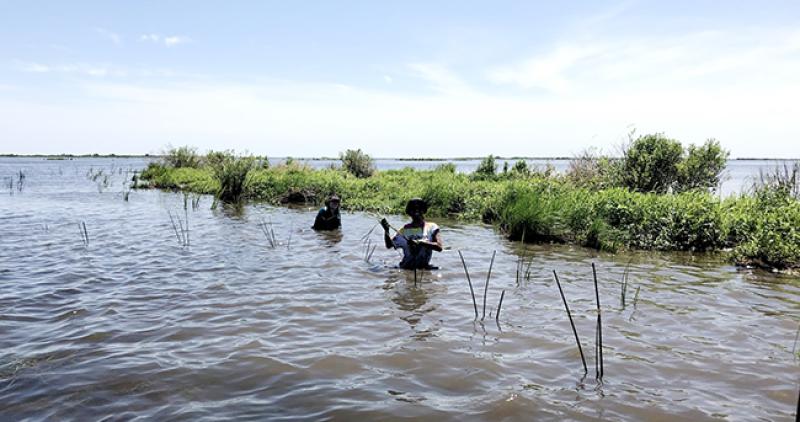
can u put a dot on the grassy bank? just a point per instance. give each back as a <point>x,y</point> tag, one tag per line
<point>759,229</point>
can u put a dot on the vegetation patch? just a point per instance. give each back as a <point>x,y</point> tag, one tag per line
<point>592,205</point>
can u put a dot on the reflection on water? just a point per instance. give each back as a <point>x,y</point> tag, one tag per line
<point>134,325</point>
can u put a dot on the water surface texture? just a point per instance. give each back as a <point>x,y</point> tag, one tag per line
<point>132,324</point>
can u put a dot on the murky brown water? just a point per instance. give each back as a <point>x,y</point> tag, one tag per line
<point>134,325</point>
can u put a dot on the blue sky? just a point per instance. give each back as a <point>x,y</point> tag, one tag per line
<point>397,79</point>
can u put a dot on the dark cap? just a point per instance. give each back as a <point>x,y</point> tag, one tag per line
<point>332,198</point>
<point>417,203</point>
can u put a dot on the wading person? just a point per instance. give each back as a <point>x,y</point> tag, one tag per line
<point>328,217</point>
<point>418,239</point>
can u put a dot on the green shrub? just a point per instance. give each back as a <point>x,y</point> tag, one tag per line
<point>774,241</point>
<point>231,174</point>
<point>650,163</point>
<point>702,166</point>
<point>357,163</point>
<point>520,169</point>
<point>782,180</point>
<point>593,170</point>
<point>182,157</point>
<point>487,169</point>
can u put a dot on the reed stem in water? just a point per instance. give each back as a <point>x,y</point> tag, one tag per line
<point>472,292</point>
<point>500,305</point>
<point>486,286</point>
<point>599,352</point>
<point>572,323</point>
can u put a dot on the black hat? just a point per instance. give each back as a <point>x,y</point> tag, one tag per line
<point>332,198</point>
<point>418,203</point>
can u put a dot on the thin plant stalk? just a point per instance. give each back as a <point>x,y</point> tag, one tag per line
<point>599,345</point>
<point>85,232</point>
<point>366,235</point>
<point>471,291</point>
<point>624,288</point>
<point>486,285</point>
<point>186,214</point>
<point>175,228</point>
<point>636,296</point>
<point>571,322</point>
<point>528,270</point>
<point>500,305</point>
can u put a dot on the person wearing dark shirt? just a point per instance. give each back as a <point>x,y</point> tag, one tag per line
<point>328,217</point>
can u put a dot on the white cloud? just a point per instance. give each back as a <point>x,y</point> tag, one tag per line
<point>175,40</point>
<point>706,61</point>
<point>739,87</point>
<point>94,70</point>
<point>168,41</point>
<point>306,119</point>
<point>33,67</point>
<point>150,37</point>
<point>114,37</point>
<point>440,78</point>
<point>548,71</point>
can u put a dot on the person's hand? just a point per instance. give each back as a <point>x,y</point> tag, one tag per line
<point>385,225</point>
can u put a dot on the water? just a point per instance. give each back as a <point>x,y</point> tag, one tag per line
<point>134,325</point>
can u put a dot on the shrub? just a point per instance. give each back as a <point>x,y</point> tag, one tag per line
<point>650,163</point>
<point>782,180</point>
<point>486,170</point>
<point>446,168</point>
<point>520,169</point>
<point>594,170</point>
<point>231,174</point>
<point>182,157</point>
<point>774,237</point>
<point>357,163</point>
<point>702,166</point>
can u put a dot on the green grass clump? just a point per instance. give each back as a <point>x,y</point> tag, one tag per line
<point>182,157</point>
<point>764,230</point>
<point>230,173</point>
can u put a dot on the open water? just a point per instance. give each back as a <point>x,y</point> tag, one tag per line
<point>132,324</point>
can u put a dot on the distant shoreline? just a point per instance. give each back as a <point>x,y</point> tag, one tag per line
<point>73,156</point>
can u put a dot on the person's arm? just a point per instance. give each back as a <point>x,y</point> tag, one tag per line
<point>387,240</point>
<point>318,221</point>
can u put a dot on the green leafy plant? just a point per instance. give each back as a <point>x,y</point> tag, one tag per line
<point>357,163</point>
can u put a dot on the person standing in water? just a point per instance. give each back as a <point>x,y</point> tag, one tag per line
<point>418,239</point>
<point>328,217</point>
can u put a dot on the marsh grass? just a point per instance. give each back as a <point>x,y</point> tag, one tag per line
<point>549,209</point>
<point>231,173</point>
<point>181,228</point>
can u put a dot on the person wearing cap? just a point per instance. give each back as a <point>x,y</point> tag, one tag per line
<point>418,239</point>
<point>328,217</point>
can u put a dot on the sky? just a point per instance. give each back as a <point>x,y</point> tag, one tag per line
<point>398,79</point>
